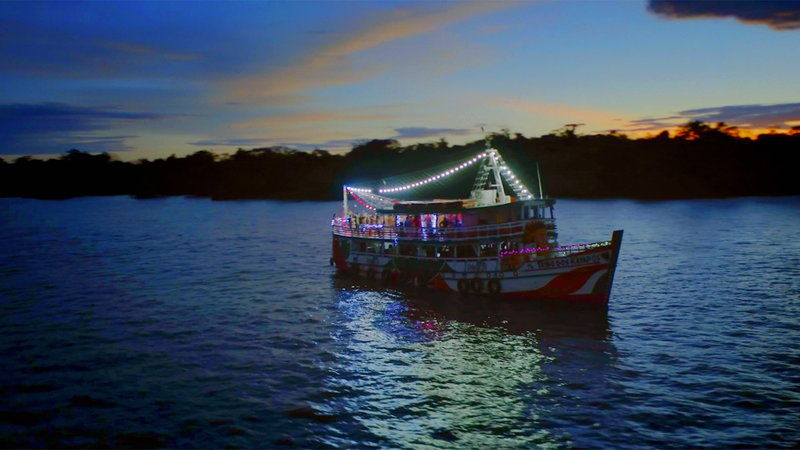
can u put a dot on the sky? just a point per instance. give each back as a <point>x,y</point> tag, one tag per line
<point>150,79</point>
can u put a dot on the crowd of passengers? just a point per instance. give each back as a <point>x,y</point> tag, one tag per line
<point>411,221</point>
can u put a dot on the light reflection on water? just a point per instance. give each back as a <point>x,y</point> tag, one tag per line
<point>431,367</point>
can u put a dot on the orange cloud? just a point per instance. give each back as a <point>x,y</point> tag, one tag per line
<point>329,66</point>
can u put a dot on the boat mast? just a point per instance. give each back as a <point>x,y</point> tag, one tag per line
<point>493,157</point>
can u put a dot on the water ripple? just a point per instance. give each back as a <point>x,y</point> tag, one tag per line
<point>188,323</point>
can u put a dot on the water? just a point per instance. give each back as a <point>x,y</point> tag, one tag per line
<point>196,324</point>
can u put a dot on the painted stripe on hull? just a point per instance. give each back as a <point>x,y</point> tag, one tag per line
<point>567,286</point>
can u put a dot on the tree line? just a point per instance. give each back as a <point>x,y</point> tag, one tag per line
<point>698,161</point>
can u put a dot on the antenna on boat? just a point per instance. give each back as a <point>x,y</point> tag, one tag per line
<point>344,200</point>
<point>539,178</point>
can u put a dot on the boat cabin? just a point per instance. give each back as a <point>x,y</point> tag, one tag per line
<point>489,224</point>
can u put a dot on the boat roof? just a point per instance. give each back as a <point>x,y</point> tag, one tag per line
<point>447,206</point>
<point>487,191</point>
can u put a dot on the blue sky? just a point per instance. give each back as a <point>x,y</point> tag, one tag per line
<point>150,79</point>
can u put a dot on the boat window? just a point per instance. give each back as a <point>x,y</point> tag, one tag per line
<point>362,246</point>
<point>388,248</point>
<point>488,250</point>
<point>375,247</point>
<point>445,252</point>
<point>465,251</point>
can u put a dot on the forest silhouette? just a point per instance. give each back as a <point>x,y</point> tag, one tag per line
<point>698,161</point>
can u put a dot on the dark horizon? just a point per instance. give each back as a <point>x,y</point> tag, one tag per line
<point>699,161</point>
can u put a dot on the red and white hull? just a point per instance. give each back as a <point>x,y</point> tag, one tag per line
<point>582,274</point>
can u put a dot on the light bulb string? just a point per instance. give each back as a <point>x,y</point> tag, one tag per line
<point>512,180</point>
<point>507,175</point>
<point>435,177</point>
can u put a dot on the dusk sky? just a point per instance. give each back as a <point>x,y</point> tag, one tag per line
<point>150,79</point>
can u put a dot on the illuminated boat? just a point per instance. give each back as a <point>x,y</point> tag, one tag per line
<point>492,243</point>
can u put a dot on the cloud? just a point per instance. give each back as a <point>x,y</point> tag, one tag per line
<point>332,66</point>
<point>334,145</point>
<point>651,124</point>
<point>751,116</point>
<point>38,52</point>
<point>49,128</point>
<point>779,15</point>
<point>149,50</point>
<point>331,144</point>
<point>52,110</point>
<point>253,142</point>
<point>317,117</point>
<point>742,116</point>
<point>423,132</point>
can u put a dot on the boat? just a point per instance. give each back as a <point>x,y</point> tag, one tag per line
<point>494,243</point>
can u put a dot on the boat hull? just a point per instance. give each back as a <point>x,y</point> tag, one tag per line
<point>584,276</point>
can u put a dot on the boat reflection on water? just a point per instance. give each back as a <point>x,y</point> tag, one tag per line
<point>546,320</point>
<point>418,366</point>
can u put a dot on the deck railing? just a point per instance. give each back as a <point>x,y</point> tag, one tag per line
<point>438,234</point>
<point>572,249</point>
<point>477,263</point>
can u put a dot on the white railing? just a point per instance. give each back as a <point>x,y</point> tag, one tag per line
<point>438,234</point>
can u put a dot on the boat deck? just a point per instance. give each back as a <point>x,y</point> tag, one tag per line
<point>381,232</point>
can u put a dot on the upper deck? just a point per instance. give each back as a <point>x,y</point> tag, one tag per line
<point>499,208</point>
<point>500,231</point>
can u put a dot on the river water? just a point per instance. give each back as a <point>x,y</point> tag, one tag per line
<point>188,323</point>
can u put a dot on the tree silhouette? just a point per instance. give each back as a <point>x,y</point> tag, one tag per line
<point>701,161</point>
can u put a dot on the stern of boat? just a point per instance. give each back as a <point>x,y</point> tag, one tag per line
<point>340,252</point>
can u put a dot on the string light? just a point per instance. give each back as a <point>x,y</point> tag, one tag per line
<point>375,201</point>
<point>512,180</point>
<point>561,248</point>
<point>526,250</point>
<point>516,185</point>
<point>435,177</point>
<point>362,202</point>
<point>585,246</point>
<point>349,188</point>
